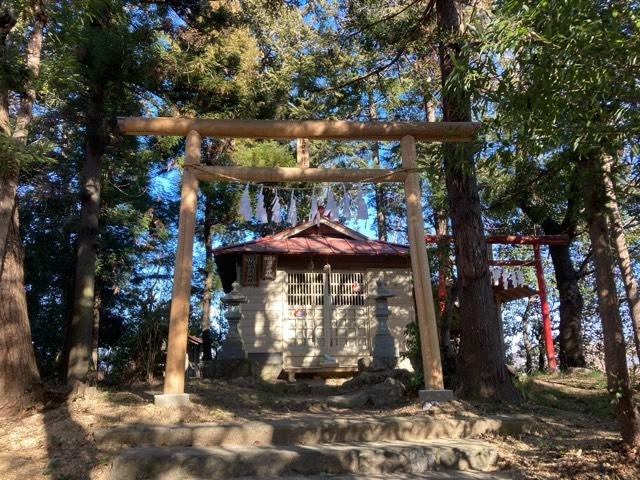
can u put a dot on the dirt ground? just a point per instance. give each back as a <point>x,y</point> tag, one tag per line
<point>576,439</point>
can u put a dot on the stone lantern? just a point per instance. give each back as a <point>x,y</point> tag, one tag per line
<point>384,348</point>
<point>233,346</point>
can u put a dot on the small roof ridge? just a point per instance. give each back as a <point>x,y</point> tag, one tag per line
<point>299,228</point>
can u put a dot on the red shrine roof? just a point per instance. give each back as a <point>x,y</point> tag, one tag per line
<point>322,237</point>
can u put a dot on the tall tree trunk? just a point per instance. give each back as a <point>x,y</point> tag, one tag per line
<point>442,230</point>
<point>445,307</point>
<point>622,251</point>
<point>24,113</point>
<point>526,340</point>
<point>481,368</point>
<point>571,305</point>
<point>379,188</point>
<point>96,333</point>
<point>615,359</point>
<point>541,352</point>
<point>208,283</point>
<point>19,378</point>
<point>69,289</point>
<point>81,330</point>
<point>9,172</point>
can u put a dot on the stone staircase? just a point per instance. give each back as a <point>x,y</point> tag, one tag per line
<point>311,446</point>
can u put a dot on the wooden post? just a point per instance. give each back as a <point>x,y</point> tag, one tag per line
<point>302,152</point>
<point>179,315</point>
<point>544,306</point>
<point>421,277</point>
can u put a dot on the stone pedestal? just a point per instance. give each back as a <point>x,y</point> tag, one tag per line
<point>172,400</point>
<point>233,345</point>
<point>435,395</point>
<point>231,368</point>
<point>384,347</point>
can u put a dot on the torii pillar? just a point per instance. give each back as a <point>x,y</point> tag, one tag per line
<point>173,395</point>
<point>431,364</point>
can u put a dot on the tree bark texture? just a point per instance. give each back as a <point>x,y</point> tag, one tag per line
<point>541,353</point>
<point>81,331</point>
<point>379,188</point>
<point>208,282</point>
<point>571,304</point>
<point>622,251</point>
<point>23,115</point>
<point>481,364</point>
<point>526,340</point>
<point>595,200</point>
<point>9,171</point>
<point>96,333</point>
<point>19,378</point>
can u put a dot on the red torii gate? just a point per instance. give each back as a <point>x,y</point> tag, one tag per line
<point>535,241</point>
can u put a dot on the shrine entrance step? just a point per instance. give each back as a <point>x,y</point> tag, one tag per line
<point>220,463</point>
<point>313,446</point>
<point>442,475</point>
<point>311,429</point>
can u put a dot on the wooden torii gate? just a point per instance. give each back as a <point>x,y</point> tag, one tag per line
<point>194,172</point>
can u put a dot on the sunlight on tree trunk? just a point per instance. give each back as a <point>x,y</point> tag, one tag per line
<point>481,369</point>
<point>19,379</point>
<point>614,345</point>
<point>208,284</point>
<point>622,251</point>
<point>571,304</point>
<point>81,331</point>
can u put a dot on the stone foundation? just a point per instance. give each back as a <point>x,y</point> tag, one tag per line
<point>232,368</point>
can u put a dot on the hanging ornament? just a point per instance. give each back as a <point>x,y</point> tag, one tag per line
<point>363,211</point>
<point>245,205</point>
<point>292,215</point>
<point>505,278</point>
<point>346,204</point>
<point>495,275</point>
<point>313,211</point>
<point>331,208</point>
<point>261,212</point>
<point>276,209</point>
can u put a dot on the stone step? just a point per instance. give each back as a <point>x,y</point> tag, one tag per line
<point>374,458</point>
<point>310,430</point>
<point>442,475</point>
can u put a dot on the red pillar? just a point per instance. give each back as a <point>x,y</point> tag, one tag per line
<point>544,304</point>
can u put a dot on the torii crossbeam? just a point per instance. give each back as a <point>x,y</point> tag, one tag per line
<point>194,172</point>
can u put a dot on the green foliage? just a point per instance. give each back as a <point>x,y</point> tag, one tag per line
<point>263,154</point>
<point>15,157</point>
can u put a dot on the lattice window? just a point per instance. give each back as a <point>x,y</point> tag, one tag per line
<point>305,289</point>
<point>347,289</point>
<point>349,321</point>
<point>305,298</point>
